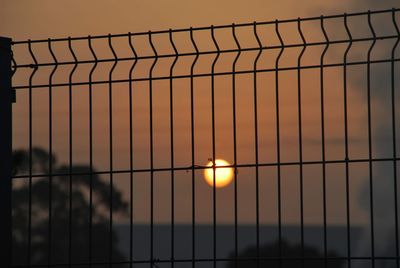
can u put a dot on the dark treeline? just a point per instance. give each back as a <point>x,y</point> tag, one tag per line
<point>67,236</point>
<point>291,256</point>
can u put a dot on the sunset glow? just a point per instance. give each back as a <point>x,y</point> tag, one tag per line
<point>223,175</point>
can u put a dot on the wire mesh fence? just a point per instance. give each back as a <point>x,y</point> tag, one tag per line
<point>113,135</point>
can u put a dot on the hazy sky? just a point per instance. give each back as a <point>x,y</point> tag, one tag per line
<point>25,19</point>
<point>35,19</point>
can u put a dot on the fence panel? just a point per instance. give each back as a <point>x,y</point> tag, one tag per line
<point>265,144</point>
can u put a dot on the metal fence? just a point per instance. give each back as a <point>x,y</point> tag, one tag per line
<point>305,110</point>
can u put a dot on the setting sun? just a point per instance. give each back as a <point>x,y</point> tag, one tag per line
<point>223,175</point>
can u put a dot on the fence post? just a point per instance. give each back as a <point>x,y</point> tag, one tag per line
<point>5,152</point>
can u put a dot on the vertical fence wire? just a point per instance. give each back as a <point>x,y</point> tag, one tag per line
<point>370,164</point>
<point>300,137</point>
<point>346,140</point>
<point>172,154</point>
<point>235,141</point>
<point>92,70</point>
<point>29,240</point>
<point>50,226</point>
<point>323,150</point>
<point>213,147</point>
<point>192,143</point>
<point>151,152</point>
<point>256,143</point>
<point>278,143</point>
<point>110,107</point>
<point>70,170</point>
<point>131,183</point>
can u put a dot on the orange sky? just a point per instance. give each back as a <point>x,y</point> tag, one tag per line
<point>25,19</point>
<point>30,19</point>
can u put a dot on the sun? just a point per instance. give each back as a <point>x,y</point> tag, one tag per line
<point>223,175</point>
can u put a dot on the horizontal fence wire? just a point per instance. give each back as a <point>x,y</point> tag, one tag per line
<point>161,261</point>
<point>68,215</point>
<point>198,167</point>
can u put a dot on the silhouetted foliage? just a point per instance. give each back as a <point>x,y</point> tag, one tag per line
<point>269,254</point>
<point>70,228</point>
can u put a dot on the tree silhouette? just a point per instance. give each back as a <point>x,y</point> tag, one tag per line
<point>269,254</point>
<point>66,198</point>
